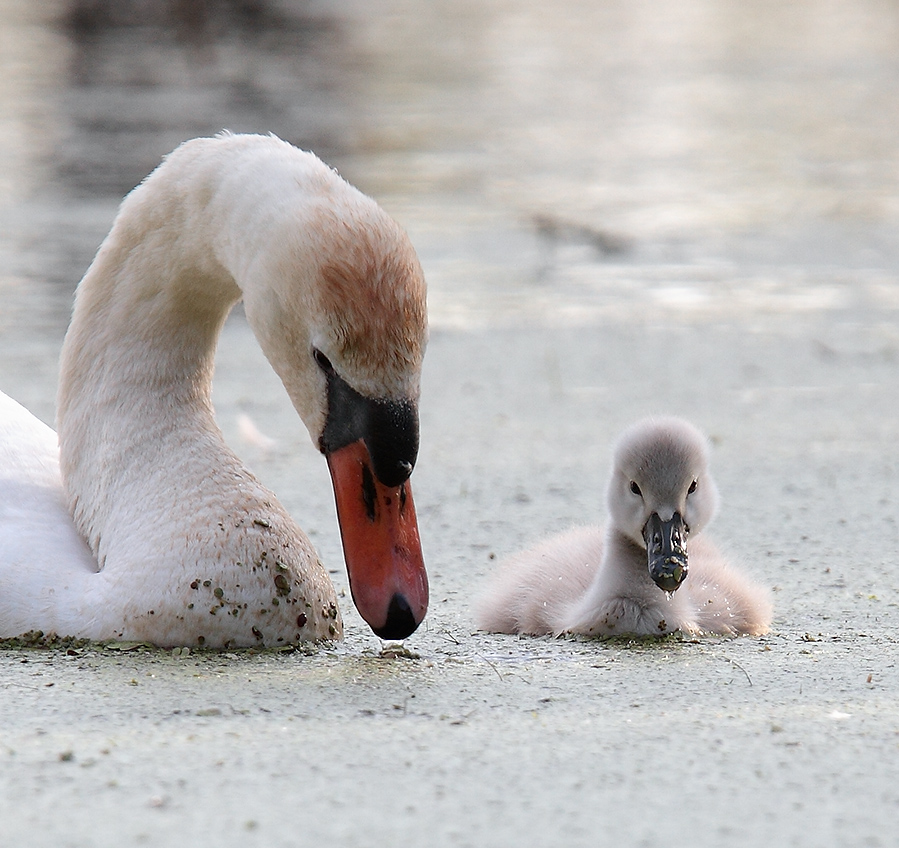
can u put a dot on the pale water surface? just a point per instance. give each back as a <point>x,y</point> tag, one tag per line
<point>570,162</point>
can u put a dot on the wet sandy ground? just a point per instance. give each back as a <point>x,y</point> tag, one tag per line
<point>489,740</point>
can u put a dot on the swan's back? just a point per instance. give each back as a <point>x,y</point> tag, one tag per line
<point>37,536</point>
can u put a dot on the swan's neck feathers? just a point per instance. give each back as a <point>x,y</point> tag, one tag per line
<point>622,599</point>
<point>622,571</point>
<point>149,478</point>
<point>623,562</point>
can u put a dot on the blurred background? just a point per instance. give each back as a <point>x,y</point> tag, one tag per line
<point>552,161</point>
<point>632,192</point>
<point>715,166</point>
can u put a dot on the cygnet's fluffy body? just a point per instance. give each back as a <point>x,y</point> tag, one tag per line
<point>597,582</point>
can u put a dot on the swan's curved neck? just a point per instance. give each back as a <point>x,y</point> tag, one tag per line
<point>135,417</point>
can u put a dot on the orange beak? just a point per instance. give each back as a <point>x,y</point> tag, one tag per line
<point>381,546</point>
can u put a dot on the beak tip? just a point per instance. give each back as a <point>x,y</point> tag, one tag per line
<point>401,621</point>
<point>670,581</point>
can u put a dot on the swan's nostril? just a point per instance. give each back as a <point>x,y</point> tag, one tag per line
<point>369,494</point>
<point>400,621</point>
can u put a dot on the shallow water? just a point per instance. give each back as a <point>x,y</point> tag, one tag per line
<point>573,162</point>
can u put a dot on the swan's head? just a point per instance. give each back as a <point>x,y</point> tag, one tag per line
<point>661,492</point>
<point>339,308</point>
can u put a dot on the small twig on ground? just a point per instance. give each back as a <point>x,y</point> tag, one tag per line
<point>492,665</point>
<point>735,663</point>
<point>449,636</point>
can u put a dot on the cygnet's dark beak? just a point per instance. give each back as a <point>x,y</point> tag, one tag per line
<point>666,550</point>
<point>371,446</point>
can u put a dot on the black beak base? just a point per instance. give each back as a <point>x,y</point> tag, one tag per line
<point>666,551</point>
<point>389,429</point>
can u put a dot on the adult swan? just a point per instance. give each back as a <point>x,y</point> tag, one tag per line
<point>156,530</point>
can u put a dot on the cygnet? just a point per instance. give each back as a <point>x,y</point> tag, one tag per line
<point>651,571</point>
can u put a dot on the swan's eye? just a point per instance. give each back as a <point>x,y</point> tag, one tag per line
<point>693,486</point>
<point>635,488</point>
<point>322,361</point>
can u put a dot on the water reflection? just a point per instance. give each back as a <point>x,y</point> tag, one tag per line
<point>143,77</point>
<point>33,58</point>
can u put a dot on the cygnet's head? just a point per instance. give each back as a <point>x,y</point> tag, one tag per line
<point>661,492</point>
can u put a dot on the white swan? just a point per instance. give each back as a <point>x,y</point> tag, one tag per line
<point>159,532</point>
<point>633,578</point>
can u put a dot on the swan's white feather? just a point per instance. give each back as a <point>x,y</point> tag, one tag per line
<point>42,554</point>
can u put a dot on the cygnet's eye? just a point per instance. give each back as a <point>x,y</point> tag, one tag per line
<point>322,361</point>
<point>636,489</point>
<point>693,486</point>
